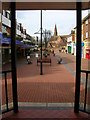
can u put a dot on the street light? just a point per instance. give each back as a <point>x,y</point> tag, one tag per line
<point>40,32</point>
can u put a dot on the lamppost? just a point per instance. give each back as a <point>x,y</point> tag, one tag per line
<point>40,32</point>
<point>37,41</point>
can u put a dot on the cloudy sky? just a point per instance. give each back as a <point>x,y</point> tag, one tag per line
<point>64,20</point>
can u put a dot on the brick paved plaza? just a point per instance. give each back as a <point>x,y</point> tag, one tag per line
<point>56,85</point>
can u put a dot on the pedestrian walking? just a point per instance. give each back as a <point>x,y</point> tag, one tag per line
<point>59,51</point>
<point>66,51</point>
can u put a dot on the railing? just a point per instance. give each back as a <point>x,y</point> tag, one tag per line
<point>86,84</point>
<point>6,92</point>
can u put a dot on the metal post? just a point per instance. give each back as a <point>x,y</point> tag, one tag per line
<point>78,58</point>
<point>13,57</point>
<point>6,90</point>
<point>0,55</point>
<point>45,40</point>
<point>37,40</point>
<point>86,91</point>
<point>41,73</point>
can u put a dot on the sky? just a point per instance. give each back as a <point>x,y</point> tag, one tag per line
<point>64,20</point>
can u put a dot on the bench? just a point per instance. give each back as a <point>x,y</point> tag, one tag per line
<point>48,54</point>
<point>44,60</point>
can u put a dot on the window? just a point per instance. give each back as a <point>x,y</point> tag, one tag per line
<point>18,27</point>
<point>8,16</point>
<point>86,34</point>
<point>89,34</point>
<point>4,13</point>
<point>86,22</point>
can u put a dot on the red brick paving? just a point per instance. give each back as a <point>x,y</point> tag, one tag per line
<point>57,85</point>
<point>60,114</point>
<point>71,60</point>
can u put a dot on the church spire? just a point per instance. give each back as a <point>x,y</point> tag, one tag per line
<point>55,31</point>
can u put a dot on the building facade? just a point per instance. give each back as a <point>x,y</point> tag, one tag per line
<point>21,36</point>
<point>71,43</point>
<point>85,38</point>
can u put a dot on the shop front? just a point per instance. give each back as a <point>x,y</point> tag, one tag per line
<point>82,49</point>
<point>88,54</point>
<point>69,47</point>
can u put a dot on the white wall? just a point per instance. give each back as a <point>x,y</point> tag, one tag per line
<point>6,21</point>
<point>74,50</point>
<point>24,36</point>
<point>18,32</point>
<point>69,39</point>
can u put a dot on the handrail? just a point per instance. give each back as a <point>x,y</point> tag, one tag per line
<point>5,75</point>
<point>87,72</point>
<point>7,71</point>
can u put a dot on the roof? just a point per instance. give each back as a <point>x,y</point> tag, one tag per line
<point>64,35</point>
<point>50,5</point>
<point>53,38</point>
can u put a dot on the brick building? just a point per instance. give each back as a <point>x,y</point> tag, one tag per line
<point>57,41</point>
<point>71,42</point>
<point>86,36</point>
<point>85,46</point>
<point>21,36</point>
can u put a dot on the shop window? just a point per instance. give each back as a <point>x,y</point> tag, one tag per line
<point>9,51</point>
<point>18,27</point>
<point>87,52</point>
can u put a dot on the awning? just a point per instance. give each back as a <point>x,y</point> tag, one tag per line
<point>5,41</point>
<point>8,41</point>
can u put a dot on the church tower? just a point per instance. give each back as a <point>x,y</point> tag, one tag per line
<point>55,31</point>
